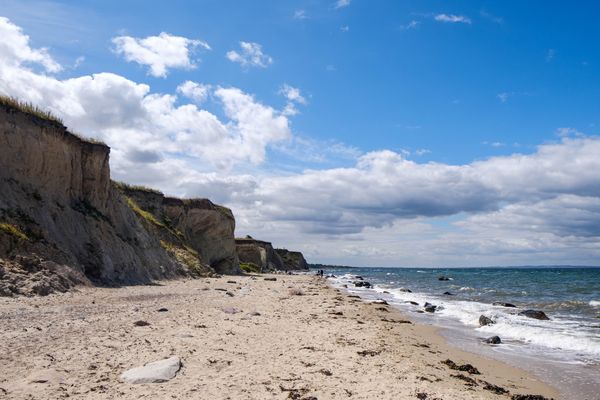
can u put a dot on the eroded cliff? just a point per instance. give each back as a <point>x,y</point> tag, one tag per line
<point>62,217</point>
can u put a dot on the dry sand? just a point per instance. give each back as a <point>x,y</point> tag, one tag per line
<point>322,344</point>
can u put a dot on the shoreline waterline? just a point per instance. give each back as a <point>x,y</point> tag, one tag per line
<point>573,370</point>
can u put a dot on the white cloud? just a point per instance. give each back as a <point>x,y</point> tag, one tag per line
<point>141,125</point>
<point>411,25</point>
<point>300,14</point>
<point>503,96</point>
<point>160,53</point>
<point>452,18</point>
<point>345,28</point>
<point>251,55</point>
<point>194,91</point>
<point>342,3</point>
<point>550,54</point>
<point>15,49</point>
<point>293,96</point>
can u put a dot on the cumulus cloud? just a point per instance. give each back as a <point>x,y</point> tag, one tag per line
<point>251,55</point>
<point>194,91</point>
<point>142,126</point>
<point>160,53</point>
<point>452,18</point>
<point>15,49</point>
<point>293,96</point>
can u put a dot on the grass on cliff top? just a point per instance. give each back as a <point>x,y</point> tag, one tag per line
<point>13,231</point>
<point>29,108</point>
<point>126,186</point>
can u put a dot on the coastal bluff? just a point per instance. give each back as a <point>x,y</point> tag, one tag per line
<point>261,256</point>
<point>63,222</point>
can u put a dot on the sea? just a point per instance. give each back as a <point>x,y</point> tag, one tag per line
<point>563,351</point>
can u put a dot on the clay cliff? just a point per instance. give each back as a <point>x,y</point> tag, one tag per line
<point>292,260</point>
<point>260,256</point>
<point>63,222</point>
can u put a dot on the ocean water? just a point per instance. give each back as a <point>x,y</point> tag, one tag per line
<point>564,351</point>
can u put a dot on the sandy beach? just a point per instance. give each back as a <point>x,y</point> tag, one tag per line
<point>240,337</point>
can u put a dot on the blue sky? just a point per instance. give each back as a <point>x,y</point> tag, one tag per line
<point>422,100</point>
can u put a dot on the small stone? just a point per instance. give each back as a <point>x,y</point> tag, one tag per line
<point>483,321</point>
<point>141,323</point>
<point>162,309</point>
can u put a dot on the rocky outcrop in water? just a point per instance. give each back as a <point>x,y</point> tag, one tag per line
<point>57,202</point>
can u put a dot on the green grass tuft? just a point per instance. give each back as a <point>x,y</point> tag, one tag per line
<point>122,186</point>
<point>13,231</point>
<point>29,108</point>
<point>144,214</point>
<point>250,267</point>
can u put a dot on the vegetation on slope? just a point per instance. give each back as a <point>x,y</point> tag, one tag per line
<point>13,231</point>
<point>29,108</point>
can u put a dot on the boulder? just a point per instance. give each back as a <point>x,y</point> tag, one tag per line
<point>493,340</point>
<point>430,307</point>
<point>443,278</point>
<point>154,372</point>
<point>483,321</point>
<point>448,294</point>
<point>405,290</point>
<point>536,314</point>
<point>501,304</point>
<point>364,284</point>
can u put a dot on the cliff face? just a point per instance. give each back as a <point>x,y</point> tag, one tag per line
<point>57,202</point>
<point>292,260</point>
<point>257,252</point>
<point>206,228</point>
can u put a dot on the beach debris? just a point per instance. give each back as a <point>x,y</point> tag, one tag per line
<point>365,353</point>
<point>271,279</point>
<point>353,296</point>
<point>221,289</point>
<point>501,304</point>
<point>405,290</point>
<point>469,381</point>
<point>154,372</point>
<point>364,284</point>
<point>464,367</point>
<point>536,314</point>
<point>231,282</point>
<point>162,309</point>
<point>336,313</point>
<point>528,397</point>
<point>396,321</point>
<point>229,294</point>
<point>483,321</point>
<point>443,278</point>
<point>429,307</point>
<point>493,340</point>
<point>425,396</point>
<point>493,388</point>
<point>141,323</point>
